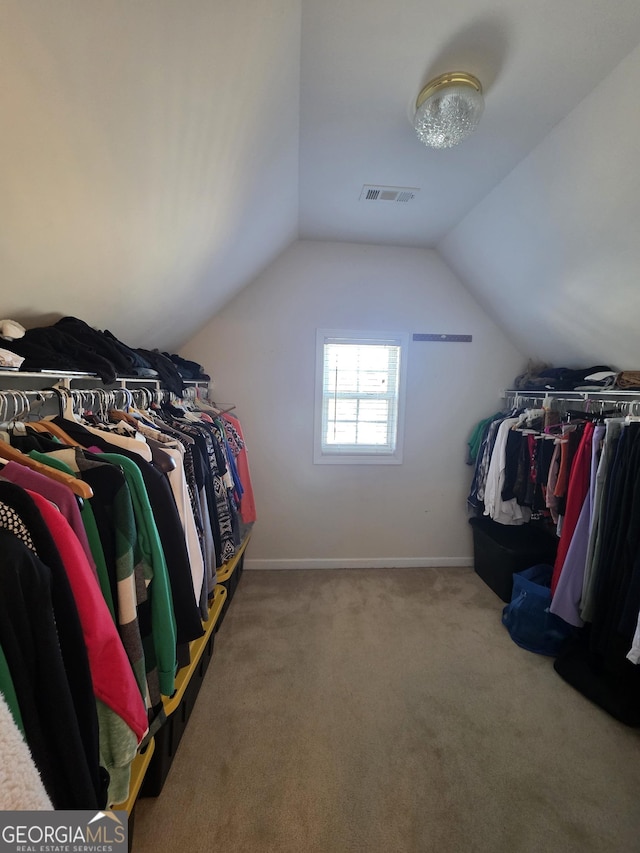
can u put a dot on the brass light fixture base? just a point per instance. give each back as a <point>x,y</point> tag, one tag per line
<point>451,78</point>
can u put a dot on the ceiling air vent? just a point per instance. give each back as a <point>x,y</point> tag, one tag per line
<point>371,192</point>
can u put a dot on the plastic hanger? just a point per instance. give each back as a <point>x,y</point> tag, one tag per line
<point>65,401</point>
<point>23,414</point>
<point>78,487</point>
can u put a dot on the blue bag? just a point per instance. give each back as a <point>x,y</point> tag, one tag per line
<point>527,616</point>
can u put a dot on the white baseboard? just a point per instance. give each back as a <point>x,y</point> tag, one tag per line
<point>362,563</point>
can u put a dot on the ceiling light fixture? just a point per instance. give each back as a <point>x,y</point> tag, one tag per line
<point>448,109</point>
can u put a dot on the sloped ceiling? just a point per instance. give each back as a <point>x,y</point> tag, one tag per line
<point>553,252</point>
<point>157,155</point>
<point>148,158</point>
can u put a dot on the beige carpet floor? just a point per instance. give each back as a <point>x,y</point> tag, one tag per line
<point>389,711</point>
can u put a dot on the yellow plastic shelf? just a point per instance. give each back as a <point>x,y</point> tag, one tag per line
<point>138,770</point>
<point>196,647</point>
<point>184,675</point>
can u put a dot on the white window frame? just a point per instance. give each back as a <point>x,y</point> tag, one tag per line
<point>346,454</point>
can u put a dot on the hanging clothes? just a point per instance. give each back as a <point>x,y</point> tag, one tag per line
<point>576,493</point>
<point>161,535</point>
<point>239,449</point>
<point>571,576</point>
<point>42,639</point>
<point>129,576</point>
<point>117,584</point>
<point>586,475</point>
<point>606,544</point>
<point>218,499</point>
<point>59,495</point>
<point>21,787</point>
<point>122,715</point>
<point>500,510</point>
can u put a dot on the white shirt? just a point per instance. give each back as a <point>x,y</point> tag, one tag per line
<point>504,512</point>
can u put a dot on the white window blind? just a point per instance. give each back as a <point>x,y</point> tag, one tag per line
<point>360,397</point>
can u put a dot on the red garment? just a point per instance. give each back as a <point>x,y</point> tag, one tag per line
<point>533,458</point>
<point>566,462</point>
<point>576,493</point>
<point>111,673</point>
<point>247,503</point>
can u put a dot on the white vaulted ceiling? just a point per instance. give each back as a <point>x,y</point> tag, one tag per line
<point>155,156</point>
<point>148,157</point>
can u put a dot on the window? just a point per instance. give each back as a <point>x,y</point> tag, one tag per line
<point>359,397</point>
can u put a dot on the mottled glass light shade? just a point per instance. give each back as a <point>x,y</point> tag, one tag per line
<point>448,116</point>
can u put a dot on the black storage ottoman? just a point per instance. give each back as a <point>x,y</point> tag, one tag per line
<point>501,550</point>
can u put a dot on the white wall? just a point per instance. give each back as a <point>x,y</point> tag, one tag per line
<point>260,350</point>
<point>553,251</point>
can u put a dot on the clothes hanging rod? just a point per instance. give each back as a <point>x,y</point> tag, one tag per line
<point>578,395</point>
